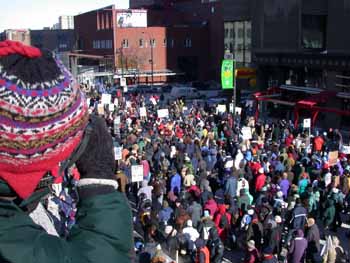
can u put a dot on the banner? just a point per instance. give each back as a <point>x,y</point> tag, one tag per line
<point>118,153</point>
<point>136,173</point>
<point>106,98</point>
<point>228,74</point>
<point>143,112</point>
<point>163,113</point>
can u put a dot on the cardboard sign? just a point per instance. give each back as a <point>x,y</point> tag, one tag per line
<point>143,112</point>
<point>333,158</point>
<point>163,113</point>
<point>123,82</point>
<point>246,133</point>
<point>307,123</point>
<point>136,173</point>
<point>117,120</point>
<point>221,108</point>
<point>118,153</point>
<point>238,110</point>
<point>100,109</point>
<point>111,107</point>
<point>106,98</point>
<point>346,149</point>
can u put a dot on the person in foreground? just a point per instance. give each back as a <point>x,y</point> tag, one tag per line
<point>45,128</point>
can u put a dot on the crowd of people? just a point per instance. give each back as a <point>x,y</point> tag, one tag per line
<point>207,188</point>
<point>203,183</point>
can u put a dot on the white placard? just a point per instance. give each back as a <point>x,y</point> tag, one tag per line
<point>307,123</point>
<point>346,149</point>
<point>117,120</point>
<point>143,112</point>
<point>246,133</point>
<point>128,104</point>
<point>163,113</point>
<point>238,110</point>
<point>221,108</point>
<point>123,82</point>
<point>136,173</point>
<point>100,109</point>
<point>106,98</point>
<point>116,102</point>
<point>118,153</point>
<point>125,89</point>
<point>111,107</point>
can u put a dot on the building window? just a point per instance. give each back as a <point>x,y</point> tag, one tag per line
<point>141,43</point>
<point>188,42</point>
<point>152,42</point>
<point>314,31</point>
<point>165,42</point>
<point>239,47</point>
<point>226,32</point>
<point>249,33</point>
<point>103,44</point>
<point>240,33</point>
<point>96,44</point>
<point>232,33</point>
<point>125,43</point>
<point>109,44</point>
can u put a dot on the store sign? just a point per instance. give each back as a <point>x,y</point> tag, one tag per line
<point>227,74</point>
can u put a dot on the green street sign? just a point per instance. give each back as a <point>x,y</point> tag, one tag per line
<point>228,74</point>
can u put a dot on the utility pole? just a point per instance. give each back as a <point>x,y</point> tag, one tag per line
<point>151,60</point>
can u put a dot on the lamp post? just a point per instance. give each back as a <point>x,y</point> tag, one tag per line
<point>151,61</point>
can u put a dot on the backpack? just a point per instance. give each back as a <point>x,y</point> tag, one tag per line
<point>223,221</point>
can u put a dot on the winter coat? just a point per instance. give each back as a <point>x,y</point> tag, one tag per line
<point>284,185</point>
<point>195,211</point>
<point>103,227</point>
<point>231,186</point>
<point>329,213</point>
<point>313,239</point>
<point>260,182</point>
<point>297,248</point>
<point>222,230</point>
<point>175,183</point>
<point>212,206</point>
<point>299,215</point>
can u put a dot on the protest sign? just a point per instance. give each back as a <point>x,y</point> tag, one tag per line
<point>143,112</point>
<point>307,123</point>
<point>163,113</point>
<point>118,153</point>
<point>221,108</point>
<point>136,173</point>
<point>111,107</point>
<point>106,98</point>
<point>333,158</point>
<point>117,120</point>
<point>116,103</point>
<point>246,133</point>
<point>238,110</point>
<point>346,149</point>
<point>123,82</point>
<point>100,109</point>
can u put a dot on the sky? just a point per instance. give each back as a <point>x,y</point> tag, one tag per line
<point>36,14</point>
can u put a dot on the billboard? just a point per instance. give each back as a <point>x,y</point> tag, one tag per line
<point>132,18</point>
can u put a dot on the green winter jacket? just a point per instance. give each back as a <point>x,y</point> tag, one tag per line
<point>103,233</point>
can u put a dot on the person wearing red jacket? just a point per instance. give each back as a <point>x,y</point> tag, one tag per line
<point>221,223</point>
<point>260,180</point>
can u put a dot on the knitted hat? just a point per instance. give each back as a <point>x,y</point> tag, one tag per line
<point>42,115</point>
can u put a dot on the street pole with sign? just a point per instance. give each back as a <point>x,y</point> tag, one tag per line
<point>228,78</point>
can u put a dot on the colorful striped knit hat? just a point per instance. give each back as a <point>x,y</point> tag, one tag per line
<point>43,115</point>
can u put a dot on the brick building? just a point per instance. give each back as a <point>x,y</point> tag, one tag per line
<point>131,47</point>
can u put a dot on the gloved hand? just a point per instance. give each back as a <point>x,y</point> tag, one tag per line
<point>97,161</point>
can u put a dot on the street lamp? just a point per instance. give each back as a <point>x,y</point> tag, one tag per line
<point>151,61</point>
